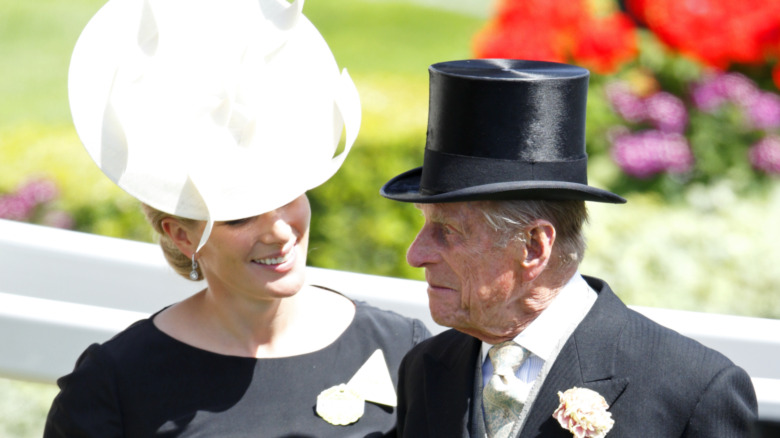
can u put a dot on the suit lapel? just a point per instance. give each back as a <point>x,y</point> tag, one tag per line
<point>587,360</point>
<point>449,386</point>
<point>477,425</point>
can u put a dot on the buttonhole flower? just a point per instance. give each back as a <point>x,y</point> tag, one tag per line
<point>583,412</point>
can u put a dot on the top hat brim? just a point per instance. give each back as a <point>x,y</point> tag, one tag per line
<point>406,188</point>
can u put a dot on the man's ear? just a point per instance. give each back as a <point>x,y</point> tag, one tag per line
<point>182,236</point>
<point>540,236</point>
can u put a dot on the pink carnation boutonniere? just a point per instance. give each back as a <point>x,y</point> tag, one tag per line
<point>584,413</point>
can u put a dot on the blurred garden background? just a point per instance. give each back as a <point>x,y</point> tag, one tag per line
<point>683,121</point>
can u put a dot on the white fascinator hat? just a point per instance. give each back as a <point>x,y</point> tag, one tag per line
<point>211,110</point>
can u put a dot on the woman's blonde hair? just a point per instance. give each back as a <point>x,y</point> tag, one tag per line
<point>180,263</point>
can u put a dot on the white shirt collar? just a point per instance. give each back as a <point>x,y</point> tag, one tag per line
<point>542,335</point>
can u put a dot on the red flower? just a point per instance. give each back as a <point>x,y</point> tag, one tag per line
<point>776,75</point>
<point>602,43</point>
<point>559,31</point>
<point>715,32</point>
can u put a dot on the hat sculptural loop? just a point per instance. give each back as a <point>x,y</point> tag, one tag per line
<point>211,110</point>
<point>502,129</point>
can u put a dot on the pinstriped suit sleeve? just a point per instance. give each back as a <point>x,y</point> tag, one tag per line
<point>726,408</point>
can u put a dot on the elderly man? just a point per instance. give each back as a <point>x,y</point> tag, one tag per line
<point>537,349</point>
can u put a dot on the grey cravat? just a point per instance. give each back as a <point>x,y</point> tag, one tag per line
<point>504,394</point>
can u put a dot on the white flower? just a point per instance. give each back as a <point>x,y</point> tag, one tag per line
<point>584,413</point>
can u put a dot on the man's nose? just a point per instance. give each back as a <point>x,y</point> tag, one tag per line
<point>420,251</point>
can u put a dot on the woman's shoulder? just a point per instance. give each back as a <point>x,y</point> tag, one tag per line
<point>140,339</point>
<point>375,329</point>
<point>389,323</point>
<point>89,390</point>
<point>370,320</point>
<point>367,310</point>
<point>137,332</point>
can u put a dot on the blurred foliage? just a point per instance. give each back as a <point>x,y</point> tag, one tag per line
<point>387,47</point>
<point>31,151</point>
<point>23,406</point>
<point>717,254</point>
<point>353,228</point>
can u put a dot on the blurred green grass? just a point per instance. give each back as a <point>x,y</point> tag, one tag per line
<point>36,39</point>
<point>367,36</point>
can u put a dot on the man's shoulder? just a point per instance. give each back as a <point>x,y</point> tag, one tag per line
<point>666,371</point>
<point>444,345</point>
<point>659,340</point>
<point>639,334</point>
<point>444,341</point>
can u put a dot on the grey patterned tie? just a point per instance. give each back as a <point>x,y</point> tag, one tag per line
<point>504,394</point>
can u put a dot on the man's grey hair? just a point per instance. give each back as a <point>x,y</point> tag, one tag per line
<point>510,218</point>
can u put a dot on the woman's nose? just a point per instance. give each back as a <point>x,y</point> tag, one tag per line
<point>286,223</point>
<point>277,228</point>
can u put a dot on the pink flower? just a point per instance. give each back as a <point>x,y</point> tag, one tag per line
<point>667,112</point>
<point>14,208</point>
<point>627,104</point>
<point>647,153</point>
<point>583,412</point>
<point>765,155</point>
<point>764,110</point>
<point>58,219</point>
<point>716,90</point>
<point>22,205</point>
<point>38,192</point>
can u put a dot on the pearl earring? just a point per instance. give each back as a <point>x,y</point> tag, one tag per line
<point>194,273</point>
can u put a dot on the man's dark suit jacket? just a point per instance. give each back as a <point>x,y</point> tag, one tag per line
<point>657,382</point>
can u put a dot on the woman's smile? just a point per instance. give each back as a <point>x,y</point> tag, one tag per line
<point>281,263</point>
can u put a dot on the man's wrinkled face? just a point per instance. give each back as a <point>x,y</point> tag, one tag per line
<point>474,284</point>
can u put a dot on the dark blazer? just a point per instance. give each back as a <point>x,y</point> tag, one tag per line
<point>657,382</point>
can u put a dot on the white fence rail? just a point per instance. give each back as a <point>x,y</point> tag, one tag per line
<point>62,290</point>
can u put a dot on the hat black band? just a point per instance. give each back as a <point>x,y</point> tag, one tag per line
<point>445,172</point>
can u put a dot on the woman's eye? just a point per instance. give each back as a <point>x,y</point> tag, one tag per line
<point>236,222</point>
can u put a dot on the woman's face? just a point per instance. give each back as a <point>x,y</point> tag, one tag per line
<point>261,257</point>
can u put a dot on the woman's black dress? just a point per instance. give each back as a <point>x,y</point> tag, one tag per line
<point>143,383</point>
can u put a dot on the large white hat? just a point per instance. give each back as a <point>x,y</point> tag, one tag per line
<point>211,109</point>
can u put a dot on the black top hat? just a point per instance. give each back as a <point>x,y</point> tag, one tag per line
<point>502,129</point>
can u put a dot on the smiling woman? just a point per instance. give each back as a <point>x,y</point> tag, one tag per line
<point>182,119</point>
